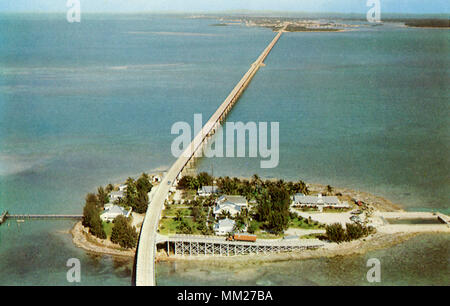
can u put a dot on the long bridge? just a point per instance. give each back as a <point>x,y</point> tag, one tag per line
<point>145,254</point>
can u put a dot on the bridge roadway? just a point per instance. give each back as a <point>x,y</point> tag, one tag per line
<point>145,254</point>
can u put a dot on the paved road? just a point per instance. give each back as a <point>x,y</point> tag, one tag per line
<point>145,260</point>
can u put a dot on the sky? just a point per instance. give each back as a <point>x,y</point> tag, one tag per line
<point>335,6</point>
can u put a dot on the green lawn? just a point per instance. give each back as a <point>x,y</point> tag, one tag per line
<point>311,236</point>
<point>107,227</point>
<point>168,226</point>
<point>172,211</point>
<point>302,223</point>
<point>263,235</point>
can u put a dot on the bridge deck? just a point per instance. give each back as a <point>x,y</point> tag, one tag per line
<point>145,257</point>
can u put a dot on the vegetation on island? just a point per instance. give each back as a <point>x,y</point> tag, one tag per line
<point>91,216</point>
<point>123,233</point>
<point>120,230</point>
<point>136,195</point>
<point>268,215</point>
<point>428,23</point>
<point>297,28</point>
<point>336,233</point>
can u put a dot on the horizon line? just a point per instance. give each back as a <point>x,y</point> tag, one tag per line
<point>174,12</point>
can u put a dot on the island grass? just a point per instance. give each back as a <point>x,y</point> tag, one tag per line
<point>107,227</point>
<point>305,224</point>
<point>172,211</point>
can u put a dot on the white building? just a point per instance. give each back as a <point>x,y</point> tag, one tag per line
<point>206,191</point>
<point>224,226</point>
<point>115,195</point>
<point>122,187</point>
<point>110,213</point>
<point>235,199</point>
<point>227,206</point>
<point>319,201</point>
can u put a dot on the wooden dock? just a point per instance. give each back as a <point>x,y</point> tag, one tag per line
<point>5,215</point>
<point>44,216</point>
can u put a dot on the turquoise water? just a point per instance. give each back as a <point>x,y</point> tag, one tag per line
<point>82,105</point>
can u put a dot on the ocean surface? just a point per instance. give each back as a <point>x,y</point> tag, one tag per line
<point>83,105</point>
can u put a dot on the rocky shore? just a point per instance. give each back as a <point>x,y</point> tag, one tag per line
<point>83,239</point>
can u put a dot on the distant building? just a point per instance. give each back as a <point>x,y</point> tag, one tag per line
<point>319,201</point>
<point>110,213</point>
<point>122,187</point>
<point>206,191</point>
<point>224,226</point>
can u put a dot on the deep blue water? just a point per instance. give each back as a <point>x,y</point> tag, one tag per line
<point>82,105</point>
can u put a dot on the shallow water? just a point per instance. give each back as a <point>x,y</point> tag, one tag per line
<point>414,221</point>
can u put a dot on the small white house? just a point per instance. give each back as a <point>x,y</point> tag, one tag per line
<point>110,213</point>
<point>224,226</point>
<point>206,191</point>
<point>115,195</point>
<point>319,201</point>
<point>122,187</point>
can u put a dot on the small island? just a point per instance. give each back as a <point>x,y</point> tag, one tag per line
<point>338,221</point>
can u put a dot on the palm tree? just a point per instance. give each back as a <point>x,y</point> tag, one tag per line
<point>179,215</point>
<point>329,189</point>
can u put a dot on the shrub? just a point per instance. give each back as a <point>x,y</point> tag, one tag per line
<point>124,234</point>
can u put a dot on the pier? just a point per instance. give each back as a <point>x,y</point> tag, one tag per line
<point>44,216</point>
<point>5,215</point>
<point>145,253</point>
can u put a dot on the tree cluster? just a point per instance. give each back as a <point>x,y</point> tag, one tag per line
<point>123,233</point>
<point>195,182</point>
<point>199,214</point>
<point>336,233</point>
<point>91,216</point>
<point>254,187</point>
<point>136,195</point>
<point>273,209</point>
